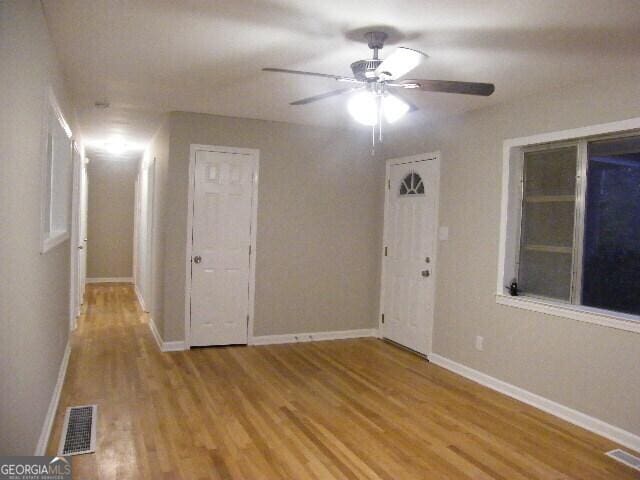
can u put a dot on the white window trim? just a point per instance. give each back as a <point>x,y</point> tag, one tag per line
<point>50,239</point>
<point>510,224</point>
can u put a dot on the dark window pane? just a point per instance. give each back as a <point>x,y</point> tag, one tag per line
<point>411,185</point>
<point>611,261</point>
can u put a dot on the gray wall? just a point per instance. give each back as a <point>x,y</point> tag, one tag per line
<point>319,223</point>
<point>591,368</point>
<point>34,290</point>
<point>110,217</point>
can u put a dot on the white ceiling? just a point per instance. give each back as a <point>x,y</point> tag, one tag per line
<point>147,57</point>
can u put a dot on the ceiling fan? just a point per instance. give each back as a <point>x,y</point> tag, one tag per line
<point>374,79</point>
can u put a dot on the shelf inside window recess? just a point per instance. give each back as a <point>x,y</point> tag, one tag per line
<point>549,198</point>
<point>548,248</point>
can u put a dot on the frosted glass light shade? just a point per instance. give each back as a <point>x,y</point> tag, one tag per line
<point>393,108</point>
<point>363,107</point>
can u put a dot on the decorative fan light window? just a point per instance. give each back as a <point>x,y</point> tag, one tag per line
<point>412,185</point>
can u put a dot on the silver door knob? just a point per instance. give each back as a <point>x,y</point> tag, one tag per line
<point>425,273</point>
<point>197,259</point>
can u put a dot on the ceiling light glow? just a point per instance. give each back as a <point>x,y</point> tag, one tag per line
<point>363,107</point>
<point>394,108</point>
<point>116,146</point>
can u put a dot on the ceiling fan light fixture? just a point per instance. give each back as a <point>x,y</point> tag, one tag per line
<point>394,108</point>
<point>363,107</point>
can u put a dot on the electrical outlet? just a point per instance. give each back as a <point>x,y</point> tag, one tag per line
<point>479,343</point>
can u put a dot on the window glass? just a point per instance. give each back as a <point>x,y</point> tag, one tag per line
<point>611,259</point>
<point>547,228</point>
<point>412,185</point>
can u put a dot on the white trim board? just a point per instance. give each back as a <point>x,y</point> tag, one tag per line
<point>43,441</point>
<point>175,346</point>
<point>139,297</point>
<point>575,417</point>
<point>110,280</point>
<point>312,336</point>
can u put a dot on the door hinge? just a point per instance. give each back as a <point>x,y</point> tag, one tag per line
<point>389,184</point>
<point>385,251</point>
<point>247,321</point>
<point>383,318</point>
<point>249,249</point>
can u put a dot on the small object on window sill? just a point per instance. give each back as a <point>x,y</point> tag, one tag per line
<point>513,289</point>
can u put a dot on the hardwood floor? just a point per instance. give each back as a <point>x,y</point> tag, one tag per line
<point>349,409</point>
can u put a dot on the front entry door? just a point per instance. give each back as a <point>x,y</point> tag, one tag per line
<point>408,281</point>
<point>221,235</point>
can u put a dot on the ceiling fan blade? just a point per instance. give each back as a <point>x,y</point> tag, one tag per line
<point>445,86</point>
<point>322,96</point>
<point>399,63</point>
<point>313,74</point>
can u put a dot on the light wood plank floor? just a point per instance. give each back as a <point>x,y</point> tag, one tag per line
<point>350,409</point>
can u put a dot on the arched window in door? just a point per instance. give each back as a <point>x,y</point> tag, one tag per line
<point>412,185</point>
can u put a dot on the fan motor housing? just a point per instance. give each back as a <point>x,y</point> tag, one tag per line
<point>365,69</point>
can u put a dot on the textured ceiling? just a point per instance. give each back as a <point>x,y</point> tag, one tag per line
<point>147,57</point>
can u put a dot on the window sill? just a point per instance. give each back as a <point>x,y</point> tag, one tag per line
<point>620,321</point>
<point>54,240</point>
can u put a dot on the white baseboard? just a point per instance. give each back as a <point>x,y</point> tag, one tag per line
<point>140,298</point>
<point>580,419</point>
<point>110,280</point>
<point>43,441</point>
<point>313,337</point>
<point>164,346</point>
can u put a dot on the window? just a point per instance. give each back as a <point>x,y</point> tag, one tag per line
<point>412,185</point>
<point>57,175</point>
<point>571,226</point>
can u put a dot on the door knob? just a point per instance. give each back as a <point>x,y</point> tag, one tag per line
<point>425,273</point>
<point>80,247</point>
<point>197,259</point>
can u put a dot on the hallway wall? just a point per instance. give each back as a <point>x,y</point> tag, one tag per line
<point>110,217</point>
<point>34,287</point>
<point>319,224</point>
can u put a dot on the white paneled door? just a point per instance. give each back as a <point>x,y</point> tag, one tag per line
<point>223,201</point>
<point>408,279</point>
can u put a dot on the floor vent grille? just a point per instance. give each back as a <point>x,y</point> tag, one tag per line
<point>626,458</point>
<point>79,431</point>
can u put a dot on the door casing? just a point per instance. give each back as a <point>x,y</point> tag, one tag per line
<point>434,157</point>
<point>255,155</point>
<point>77,244</point>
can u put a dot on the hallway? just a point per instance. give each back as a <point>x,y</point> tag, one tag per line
<point>336,409</point>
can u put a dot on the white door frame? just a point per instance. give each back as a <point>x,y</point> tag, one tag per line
<point>142,238</point>
<point>75,283</point>
<point>255,155</point>
<point>435,157</point>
